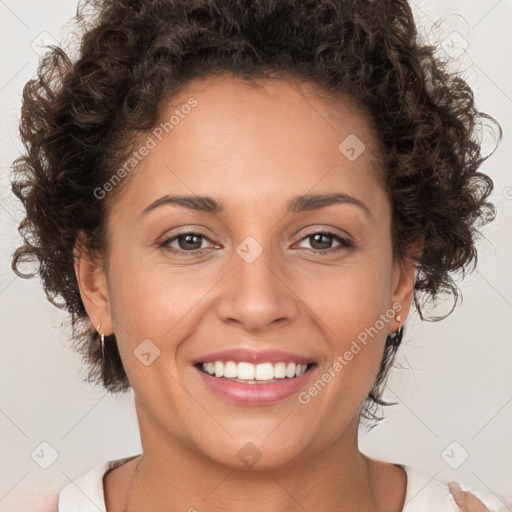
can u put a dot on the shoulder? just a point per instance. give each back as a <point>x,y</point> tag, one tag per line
<point>425,493</point>
<point>85,494</point>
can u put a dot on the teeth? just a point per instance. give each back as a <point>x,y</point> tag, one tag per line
<point>219,369</point>
<point>264,371</point>
<point>244,370</point>
<point>230,370</point>
<point>250,372</point>
<point>279,370</point>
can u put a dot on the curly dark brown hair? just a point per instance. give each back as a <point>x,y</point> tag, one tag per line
<point>80,120</point>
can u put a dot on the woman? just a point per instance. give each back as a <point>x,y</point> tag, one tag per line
<point>238,203</point>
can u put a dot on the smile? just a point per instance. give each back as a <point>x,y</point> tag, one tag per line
<point>250,373</point>
<point>252,384</point>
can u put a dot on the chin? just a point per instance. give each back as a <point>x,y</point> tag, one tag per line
<point>255,452</point>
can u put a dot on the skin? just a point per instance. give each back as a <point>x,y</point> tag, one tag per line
<point>252,149</point>
<point>466,501</point>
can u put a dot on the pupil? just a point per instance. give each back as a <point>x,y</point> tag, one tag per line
<point>188,240</point>
<point>325,244</point>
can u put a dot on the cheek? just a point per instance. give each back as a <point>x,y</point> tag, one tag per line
<point>353,303</point>
<point>150,298</point>
<point>158,303</point>
<point>150,313</point>
<point>351,297</point>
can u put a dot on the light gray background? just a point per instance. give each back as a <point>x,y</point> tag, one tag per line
<point>456,385</point>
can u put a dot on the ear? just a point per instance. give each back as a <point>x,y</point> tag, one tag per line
<point>404,279</point>
<point>93,288</point>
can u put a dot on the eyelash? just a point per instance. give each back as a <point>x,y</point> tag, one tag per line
<point>345,244</point>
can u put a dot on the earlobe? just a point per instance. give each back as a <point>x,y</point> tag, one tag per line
<point>403,291</point>
<point>406,272</point>
<point>92,285</point>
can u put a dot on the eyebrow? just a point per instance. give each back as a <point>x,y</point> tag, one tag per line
<point>297,204</point>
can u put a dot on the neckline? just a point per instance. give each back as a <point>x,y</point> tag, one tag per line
<point>114,463</point>
<point>92,485</point>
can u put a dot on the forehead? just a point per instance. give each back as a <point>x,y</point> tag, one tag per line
<point>275,110</point>
<point>242,143</point>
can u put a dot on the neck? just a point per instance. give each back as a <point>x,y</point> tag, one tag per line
<point>172,476</point>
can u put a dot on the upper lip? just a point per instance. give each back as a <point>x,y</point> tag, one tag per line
<point>253,356</point>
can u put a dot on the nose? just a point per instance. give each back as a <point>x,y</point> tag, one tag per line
<point>257,294</point>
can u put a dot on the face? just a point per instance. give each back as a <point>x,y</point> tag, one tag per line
<point>263,278</point>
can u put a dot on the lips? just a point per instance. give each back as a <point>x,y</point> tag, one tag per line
<point>254,377</point>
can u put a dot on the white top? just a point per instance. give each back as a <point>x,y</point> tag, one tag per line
<point>423,493</point>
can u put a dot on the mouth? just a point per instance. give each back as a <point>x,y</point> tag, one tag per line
<point>245,372</point>
<point>246,383</point>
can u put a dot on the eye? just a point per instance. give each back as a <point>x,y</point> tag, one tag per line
<point>188,241</point>
<point>322,240</point>
<point>191,242</point>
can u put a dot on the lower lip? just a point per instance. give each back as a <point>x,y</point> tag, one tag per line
<point>256,394</point>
